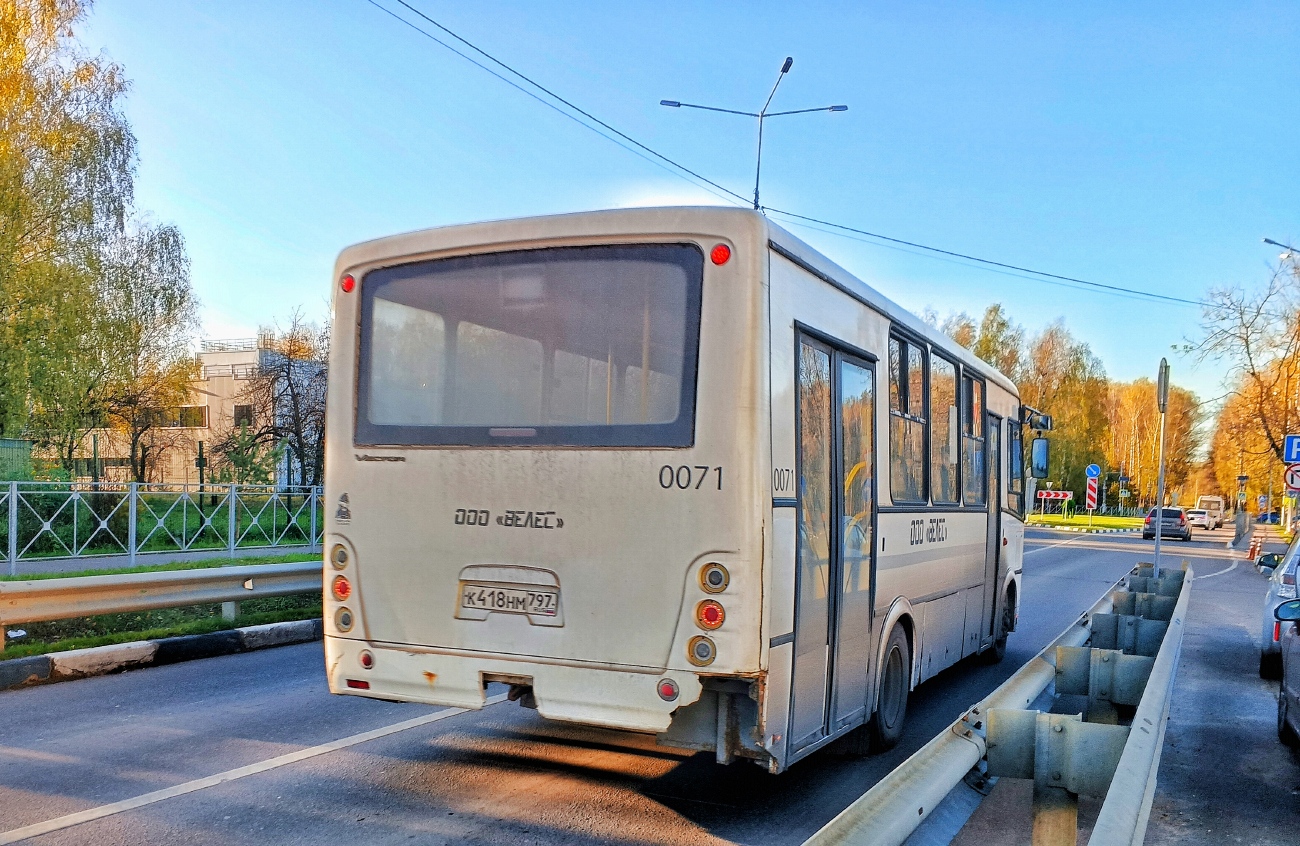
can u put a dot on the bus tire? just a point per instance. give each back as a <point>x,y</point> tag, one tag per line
<point>995,653</point>
<point>886,726</point>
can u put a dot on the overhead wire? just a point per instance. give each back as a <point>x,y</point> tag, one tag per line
<point>671,166</point>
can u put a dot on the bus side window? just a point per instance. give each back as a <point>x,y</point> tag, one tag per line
<point>1016,457</point>
<point>907,422</point>
<point>972,440</point>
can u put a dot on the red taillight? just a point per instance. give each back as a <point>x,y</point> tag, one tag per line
<point>667,690</point>
<point>721,254</point>
<point>709,615</point>
<point>1277,632</point>
<point>1148,518</point>
<point>347,283</point>
<point>358,684</point>
<point>1182,521</point>
<point>341,588</point>
<point>366,659</point>
<point>1288,578</point>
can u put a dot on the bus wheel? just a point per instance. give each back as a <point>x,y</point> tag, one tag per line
<point>995,653</point>
<point>891,705</point>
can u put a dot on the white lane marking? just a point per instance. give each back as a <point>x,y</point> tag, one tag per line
<point>69,820</point>
<point>1227,569</point>
<point>1054,545</point>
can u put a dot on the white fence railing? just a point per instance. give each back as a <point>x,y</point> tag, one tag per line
<point>43,520</point>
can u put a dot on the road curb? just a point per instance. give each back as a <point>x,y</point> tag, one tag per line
<point>118,657</point>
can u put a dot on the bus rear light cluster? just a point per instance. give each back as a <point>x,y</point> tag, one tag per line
<point>366,659</point>
<point>668,690</point>
<point>701,651</point>
<point>341,588</point>
<point>714,578</point>
<point>339,556</point>
<point>710,615</point>
<point>343,620</point>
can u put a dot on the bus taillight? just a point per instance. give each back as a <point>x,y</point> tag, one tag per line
<point>341,588</point>
<point>710,615</point>
<point>347,283</point>
<point>721,254</point>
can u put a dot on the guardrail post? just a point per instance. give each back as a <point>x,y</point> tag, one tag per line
<point>132,509</point>
<point>13,531</point>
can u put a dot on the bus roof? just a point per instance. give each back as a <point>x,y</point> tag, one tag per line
<point>594,224</point>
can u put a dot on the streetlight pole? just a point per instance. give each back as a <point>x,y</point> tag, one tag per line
<point>1162,400</point>
<point>762,114</point>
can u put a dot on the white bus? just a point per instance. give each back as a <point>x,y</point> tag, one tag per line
<point>664,470</point>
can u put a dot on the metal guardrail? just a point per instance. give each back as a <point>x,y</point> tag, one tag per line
<point>41,600</point>
<point>1105,657</point>
<point>40,520</point>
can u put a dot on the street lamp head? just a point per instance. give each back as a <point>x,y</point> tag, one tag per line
<point>839,108</point>
<point>789,60</point>
<point>672,103</point>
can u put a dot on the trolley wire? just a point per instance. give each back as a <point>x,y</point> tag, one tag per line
<point>669,165</point>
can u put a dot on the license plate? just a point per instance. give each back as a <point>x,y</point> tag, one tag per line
<point>509,600</point>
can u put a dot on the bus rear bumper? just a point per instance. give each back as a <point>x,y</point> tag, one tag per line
<point>610,697</point>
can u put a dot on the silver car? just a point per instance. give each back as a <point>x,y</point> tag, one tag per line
<point>1288,693</point>
<point>1281,587</point>
<point>1200,518</point>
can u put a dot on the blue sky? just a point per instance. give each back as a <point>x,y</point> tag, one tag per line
<point>1142,145</point>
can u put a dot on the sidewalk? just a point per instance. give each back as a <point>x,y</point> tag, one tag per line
<point>1224,777</point>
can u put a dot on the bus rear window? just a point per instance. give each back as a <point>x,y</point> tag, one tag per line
<point>569,346</point>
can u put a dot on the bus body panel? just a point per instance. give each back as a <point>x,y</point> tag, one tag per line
<point>623,531</point>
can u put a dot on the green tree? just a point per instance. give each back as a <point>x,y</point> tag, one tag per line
<point>67,157</point>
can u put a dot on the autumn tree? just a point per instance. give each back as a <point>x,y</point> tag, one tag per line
<point>66,164</point>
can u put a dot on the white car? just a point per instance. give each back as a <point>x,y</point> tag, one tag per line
<point>1200,518</point>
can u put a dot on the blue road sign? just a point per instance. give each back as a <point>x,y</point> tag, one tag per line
<point>1291,449</point>
<point>1093,471</point>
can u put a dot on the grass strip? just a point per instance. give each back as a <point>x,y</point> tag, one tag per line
<point>105,629</point>
<point>201,564</point>
<point>1100,521</point>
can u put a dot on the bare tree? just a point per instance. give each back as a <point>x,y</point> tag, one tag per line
<point>287,397</point>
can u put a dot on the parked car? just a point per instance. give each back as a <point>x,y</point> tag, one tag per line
<point>1171,523</point>
<point>1288,693</point>
<point>1273,517</point>
<point>1281,587</point>
<point>1201,518</point>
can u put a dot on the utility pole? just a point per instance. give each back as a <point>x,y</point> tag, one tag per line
<point>1162,400</point>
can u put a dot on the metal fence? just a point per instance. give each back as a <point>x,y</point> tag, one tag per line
<point>43,520</point>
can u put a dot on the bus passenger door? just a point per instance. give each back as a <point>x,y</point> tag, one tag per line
<point>993,550</point>
<point>835,430</point>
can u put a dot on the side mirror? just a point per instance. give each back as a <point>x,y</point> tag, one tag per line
<point>1039,453</point>
<point>1268,561</point>
<point>1288,612</point>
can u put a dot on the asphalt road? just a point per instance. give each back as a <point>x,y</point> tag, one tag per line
<point>228,750</point>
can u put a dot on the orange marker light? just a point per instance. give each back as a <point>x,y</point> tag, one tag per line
<point>721,254</point>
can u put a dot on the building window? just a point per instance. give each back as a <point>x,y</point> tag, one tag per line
<point>243,415</point>
<point>907,421</point>
<point>972,440</point>
<point>943,430</point>
<point>182,417</point>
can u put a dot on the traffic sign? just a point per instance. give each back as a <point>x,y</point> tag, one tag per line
<point>1291,449</point>
<point>1293,477</point>
<point>1123,493</point>
<point>1090,500</point>
<point>1056,494</point>
<point>1093,471</point>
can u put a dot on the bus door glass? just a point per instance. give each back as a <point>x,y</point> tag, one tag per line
<point>993,553</point>
<point>835,431</point>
